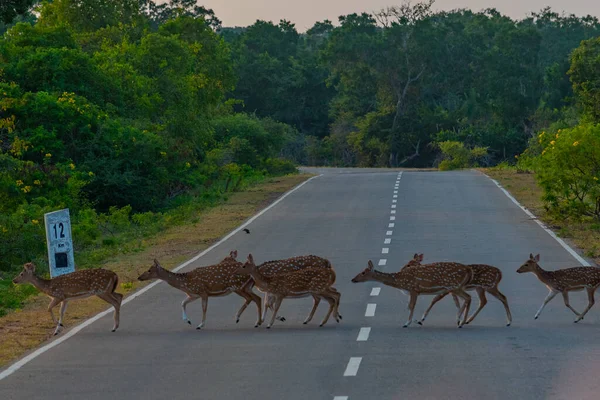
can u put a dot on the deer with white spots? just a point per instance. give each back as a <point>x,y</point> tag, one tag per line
<point>564,281</point>
<point>304,282</point>
<point>442,278</point>
<point>271,268</point>
<point>204,282</point>
<point>486,278</point>
<point>79,284</point>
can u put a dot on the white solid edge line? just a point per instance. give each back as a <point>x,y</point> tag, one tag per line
<point>363,334</point>
<point>17,365</point>
<point>581,260</point>
<point>375,291</point>
<point>370,311</point>
<point>352,367</point>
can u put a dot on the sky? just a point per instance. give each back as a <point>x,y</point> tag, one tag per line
<point>304,13</point>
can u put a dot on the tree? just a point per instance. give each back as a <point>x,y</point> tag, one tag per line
<point>10,9</point>
<point>585,76</point>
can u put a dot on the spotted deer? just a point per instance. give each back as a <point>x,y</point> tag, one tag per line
<point>204,282</point>
<point>304,282</point>
<point>79,284</point>
<point>442,278</point>
<point>271,268</point>
<point>564,281</point>
<point>486,278</point>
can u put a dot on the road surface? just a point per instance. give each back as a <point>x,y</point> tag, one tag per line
<point>345,216</point>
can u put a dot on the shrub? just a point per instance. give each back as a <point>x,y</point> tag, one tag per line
<point>568,170</point>
<point>457,156</point>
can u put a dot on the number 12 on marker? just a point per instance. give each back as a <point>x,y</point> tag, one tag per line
<point>59,230</point>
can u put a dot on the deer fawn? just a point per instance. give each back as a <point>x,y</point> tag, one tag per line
<point>486,278</point>
<point>442,278</point>
<point>79,284</point>
<point>204,282</point>
<point>564,281</point>
<point>271,268</point>
<point>301,283</point>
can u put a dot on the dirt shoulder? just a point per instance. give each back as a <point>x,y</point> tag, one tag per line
<point>27,328</point>
<point>583,234</point>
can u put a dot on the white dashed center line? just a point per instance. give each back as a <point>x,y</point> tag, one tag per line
<point>388,233</point>
<point>363,335</point>
<point>391,225</point>
<point>340,398</point>
<point>382,262</point>
<point>395,196</point>
<point>370,311</point>
<point>392,218</point>
<point>394,201</point>
<point>375,291</point>
<point>387,241</point>
<point>385,250</point>
<point>393,206</point>
<point>352,368</point>
<point>393,211</point>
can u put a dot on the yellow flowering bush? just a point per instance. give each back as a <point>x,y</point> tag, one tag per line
<point>568,169</point>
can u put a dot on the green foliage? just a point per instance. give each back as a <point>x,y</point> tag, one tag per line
<point>457,156</point>
<point>585,75</point>
<point>568,171</point>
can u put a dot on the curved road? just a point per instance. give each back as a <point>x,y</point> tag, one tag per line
<point>346,216</point>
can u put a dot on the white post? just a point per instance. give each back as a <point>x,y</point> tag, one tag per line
<point>60,242</point>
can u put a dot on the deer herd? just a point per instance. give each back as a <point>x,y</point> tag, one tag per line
<point>314,276</point>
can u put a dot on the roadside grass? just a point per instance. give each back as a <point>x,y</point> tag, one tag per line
<point>26,328</point>
<point>584,234</point>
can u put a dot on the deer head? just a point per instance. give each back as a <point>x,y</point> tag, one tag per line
<point>366,274</point>
<point>26,274</point>
<point>231,257</point>
<point>530,265</point>
<point>415,262</point>
<point>152,272</point>
<point>248,267</point>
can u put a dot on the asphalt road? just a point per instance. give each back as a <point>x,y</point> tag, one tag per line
<point>344,215</point>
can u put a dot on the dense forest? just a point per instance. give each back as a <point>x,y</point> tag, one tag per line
<point>131,113</point>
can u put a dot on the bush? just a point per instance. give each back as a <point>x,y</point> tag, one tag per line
<point>279,166</point>
<point>457,156</point>
<point>568,170</point>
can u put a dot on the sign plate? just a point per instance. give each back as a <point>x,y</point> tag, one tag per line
<point>60,242</point>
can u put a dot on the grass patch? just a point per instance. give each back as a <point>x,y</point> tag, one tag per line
<point>583,234</point>
<point>30,325</point>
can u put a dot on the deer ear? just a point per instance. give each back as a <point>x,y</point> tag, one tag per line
<point>531,256</point>
<point>371,266</point>
<point>416,256</point>
<point>233,254</point>
<point>250,258</point>
<point>537,258</point>
<point>29,267</point>
<point>420,257</point>
<point>156,263</point>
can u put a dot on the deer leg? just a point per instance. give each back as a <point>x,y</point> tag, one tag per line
<point>331,300</point>
<point>63,308</point>
<point>458,307</point>
<point>467,298</point>
<point>411,308</point>
<point>269,304</point>
<point>565,294</point>
<point>338,296</point>
<point>482,303</point>
<point>184,303</point>
<point>243,307</point>
<point>53,303</point>
<point>435,300</point>
<point>496,293</point>
<point>116,303</point>
<point>550,296</point>
<point>257,301</point>
<point>204,307</point>
<point>276,306</point>
<point>316,301</point>
<point>590,293</point>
